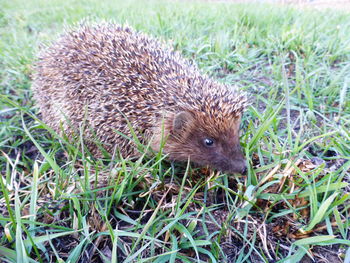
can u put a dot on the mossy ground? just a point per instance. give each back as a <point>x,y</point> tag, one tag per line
<point>58,204</point>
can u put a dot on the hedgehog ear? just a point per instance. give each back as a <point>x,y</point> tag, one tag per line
<point>180,121</point>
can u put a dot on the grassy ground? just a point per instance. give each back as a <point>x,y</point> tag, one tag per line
<point>58,205</point>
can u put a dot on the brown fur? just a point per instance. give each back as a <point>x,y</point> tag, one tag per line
<point>101,76</point>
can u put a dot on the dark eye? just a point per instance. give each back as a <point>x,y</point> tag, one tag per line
<point>208,142</point>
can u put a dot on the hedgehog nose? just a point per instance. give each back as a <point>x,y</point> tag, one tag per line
<point>244,170</point>
<point>242,166</point>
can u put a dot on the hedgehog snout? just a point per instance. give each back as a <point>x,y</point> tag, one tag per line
<point>240,166</point>
<point>232,166</point>
<point>237,163</point>
<point>229,163</point>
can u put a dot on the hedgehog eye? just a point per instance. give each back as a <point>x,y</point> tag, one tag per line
<point>208,142</point>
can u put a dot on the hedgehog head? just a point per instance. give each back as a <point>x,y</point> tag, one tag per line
<point>206,140</point>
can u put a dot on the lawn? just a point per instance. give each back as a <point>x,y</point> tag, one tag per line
<point>59,204</point>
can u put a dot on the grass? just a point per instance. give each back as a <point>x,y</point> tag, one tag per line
<point>58,204</point>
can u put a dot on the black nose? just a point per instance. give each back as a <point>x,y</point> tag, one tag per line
<point>244,170</point>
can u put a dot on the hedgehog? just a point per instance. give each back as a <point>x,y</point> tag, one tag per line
<point>111,84</point>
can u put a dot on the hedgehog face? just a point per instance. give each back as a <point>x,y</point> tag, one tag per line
<point>207,141</point>
<point>223,153</point>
